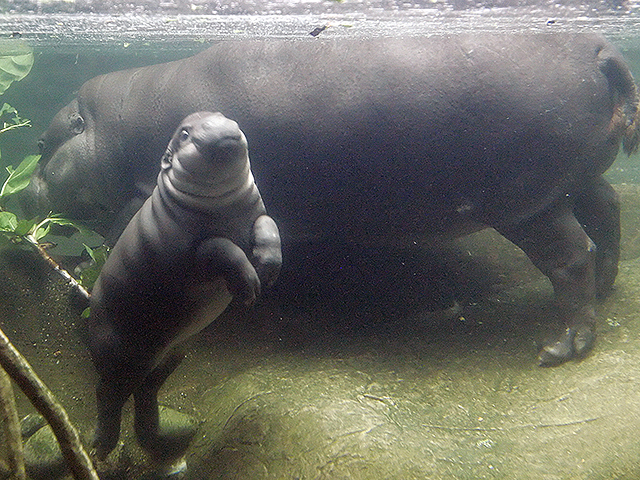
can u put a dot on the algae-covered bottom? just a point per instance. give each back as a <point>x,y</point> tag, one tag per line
<point>342,372</point>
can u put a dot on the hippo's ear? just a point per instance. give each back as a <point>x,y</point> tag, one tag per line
<point>76,123</point>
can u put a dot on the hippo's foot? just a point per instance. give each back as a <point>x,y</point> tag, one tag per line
<point>167,445</point>
<point>104,442</point>
<point>575,342</point>
<point>116,464</point>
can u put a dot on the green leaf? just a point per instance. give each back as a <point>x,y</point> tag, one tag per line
<point>8,222</point>
<point>41,231</point>
<point>86,313</point>
<point>11,119</point>
<point>99,256</point>
<point>24,226</point>
<point>89,251</point>
<point>16,60</point>
<point>7,109</point>
<point>65,222</point>
<point>20,177</point>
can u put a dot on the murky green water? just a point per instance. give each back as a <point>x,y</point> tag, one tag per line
<point>354,379</point>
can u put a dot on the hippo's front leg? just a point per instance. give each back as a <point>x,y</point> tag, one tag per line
<point>556,244</point>
<point>221,257</point>
<point>267,254</point>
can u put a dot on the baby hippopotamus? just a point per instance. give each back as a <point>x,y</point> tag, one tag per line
<point>202,239</point>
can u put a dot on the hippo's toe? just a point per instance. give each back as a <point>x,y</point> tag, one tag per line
<point>583,340</point>
<point>168,443</point>
<point>574,342</point>
<point>558,352</point>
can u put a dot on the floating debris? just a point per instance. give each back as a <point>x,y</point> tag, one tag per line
<point>318,30</point>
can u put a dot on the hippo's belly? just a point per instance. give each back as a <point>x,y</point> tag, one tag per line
<point>206,302</point>
<point>427,188</point>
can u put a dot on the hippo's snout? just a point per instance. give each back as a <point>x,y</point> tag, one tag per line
<point>34,200</point>
<point>218,137</point>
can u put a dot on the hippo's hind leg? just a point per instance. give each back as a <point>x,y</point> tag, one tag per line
<point>111,397</point>
<point>597,208</point>
<point>556,244</point>
<point>116,381</point>
<point>162,446</point>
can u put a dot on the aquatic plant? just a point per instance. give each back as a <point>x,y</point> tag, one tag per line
<point>20,231</point>
<point>16,61</point>
<point>14,230</point>
<point>44,401</point>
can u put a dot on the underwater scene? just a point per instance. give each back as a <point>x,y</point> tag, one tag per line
<point>320,239</point>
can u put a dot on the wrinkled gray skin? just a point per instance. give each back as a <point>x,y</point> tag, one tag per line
<point>200,238</point>
<point>385,141</point>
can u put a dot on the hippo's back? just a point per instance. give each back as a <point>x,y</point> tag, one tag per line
<point>388,136</point>
<point>416,135</point>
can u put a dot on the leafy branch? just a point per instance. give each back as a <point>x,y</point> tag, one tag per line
<point>15,64</point>
<point>14,119</point>
<point>31,232</point>
<point>16,60</point>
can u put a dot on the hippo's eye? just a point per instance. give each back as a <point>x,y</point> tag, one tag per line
<point>184,135</point>
<point>77,124</point>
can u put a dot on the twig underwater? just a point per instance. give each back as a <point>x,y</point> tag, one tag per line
<point>15,230</point>
<point>45,402</point>
<point>12,434</point>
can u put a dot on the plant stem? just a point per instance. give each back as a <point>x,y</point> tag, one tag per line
<point>43,400</point>
<point>54,265</point>
<point>6,128</point>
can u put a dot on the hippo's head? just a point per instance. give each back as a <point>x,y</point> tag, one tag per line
<point>207,156</point>
<point>65,148</point>
<point>70,180</point>
<point>98,161</point>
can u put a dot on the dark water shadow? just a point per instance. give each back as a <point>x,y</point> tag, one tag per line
<point>333,296</point>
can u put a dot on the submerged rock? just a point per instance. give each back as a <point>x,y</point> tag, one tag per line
<point>43,457</point>
<point>30,424</point>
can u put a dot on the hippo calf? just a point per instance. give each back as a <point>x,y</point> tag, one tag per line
<point>384,140</point>
<point>202,237</point>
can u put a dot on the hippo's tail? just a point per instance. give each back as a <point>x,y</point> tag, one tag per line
<point>625,123</point>
<point>631,139</point>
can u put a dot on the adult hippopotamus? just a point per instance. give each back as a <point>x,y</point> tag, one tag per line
<point>385,140</point>
<point>201,237</point>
